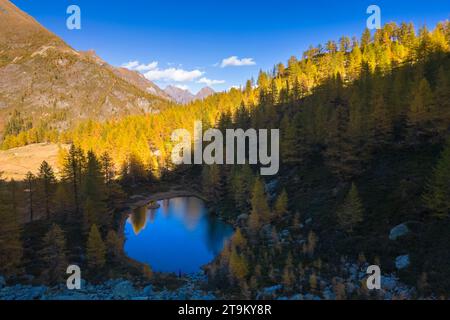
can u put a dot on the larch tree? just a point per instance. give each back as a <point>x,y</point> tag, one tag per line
<point>238,266</point>
<point>281,205</point>
<point>420,107</point>
<point>437,196</point>
<point>114,245</point>
<point>96,250</point>
<point>351,211</point>
<point>54,255</point>
<point>260,212</point>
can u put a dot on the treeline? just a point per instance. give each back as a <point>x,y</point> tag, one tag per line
<point>50,223</point>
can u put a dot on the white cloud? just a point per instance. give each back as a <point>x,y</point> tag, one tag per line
<point>131,65</point>
<point>210,82</point>
<point>147,67</point>
<point>173,74</point>
<point>234,61</point>
<point>136,66</point>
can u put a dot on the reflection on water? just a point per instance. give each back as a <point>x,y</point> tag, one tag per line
<point>180,236</point>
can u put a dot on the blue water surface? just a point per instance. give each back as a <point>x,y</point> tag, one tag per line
<point>180,236</point>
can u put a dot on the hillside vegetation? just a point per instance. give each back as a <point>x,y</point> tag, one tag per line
<point>364,124</point>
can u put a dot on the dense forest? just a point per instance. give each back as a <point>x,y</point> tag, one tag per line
<point>364,147</point>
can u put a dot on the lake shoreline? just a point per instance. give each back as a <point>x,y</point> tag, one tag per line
<point>138,200</point>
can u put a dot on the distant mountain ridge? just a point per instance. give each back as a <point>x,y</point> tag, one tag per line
<point>184,96</point>
<point>48,81</point>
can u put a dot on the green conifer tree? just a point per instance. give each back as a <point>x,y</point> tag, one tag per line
<point>351,212</point>
<point>95,251</point>
<point>437,196</point>
<point>54,256</point>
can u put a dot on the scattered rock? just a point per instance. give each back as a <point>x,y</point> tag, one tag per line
<point>402,262</point>
<point>389,282</point>
<point>399,231</point>
<point>124,290</point>
<point>268,292</point>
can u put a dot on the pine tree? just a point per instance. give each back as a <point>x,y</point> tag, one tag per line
<point>72,171</point>
<point>95,251</point>
<point>31,188</point>
<point>441,112</point>
<point>242,183</point>
<point>437,196</point>
<point>290,141</point>
<point>10,235</point>
<point>94,192</point>
<point>54,255</point>
<point>351,211</point>
<point>47,186</point>
<point>114,245</point>
<point>419,112</point>
<point>381,127</point>
<point>213,183</point>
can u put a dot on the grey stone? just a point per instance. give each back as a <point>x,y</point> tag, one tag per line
<point>148,290</point>
<point>399,231</point>
<point>402,262</point>
<point>389,282</point>
<point>124,290</point>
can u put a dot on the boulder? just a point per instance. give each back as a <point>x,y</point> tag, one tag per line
<point>399,231</point>
<point>389,282</point>
<point>124,290</point>
<point>270,291</point>
<point>148,290</point>
<point>402,262</point>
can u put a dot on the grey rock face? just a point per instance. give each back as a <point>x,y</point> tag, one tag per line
<point>399,231</point>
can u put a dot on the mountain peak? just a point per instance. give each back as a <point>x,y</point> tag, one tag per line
<point>179,95</point>
<point>204,93</point>
<point>184,96</point>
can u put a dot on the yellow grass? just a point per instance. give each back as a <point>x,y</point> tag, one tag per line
<point>15,163</point>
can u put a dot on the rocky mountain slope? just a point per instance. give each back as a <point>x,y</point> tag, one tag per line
<point>184,96</point>
<point>204,93</point>
<point>48,81</point>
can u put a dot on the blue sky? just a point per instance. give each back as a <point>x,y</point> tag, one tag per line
<point>190,39</point>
